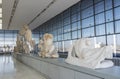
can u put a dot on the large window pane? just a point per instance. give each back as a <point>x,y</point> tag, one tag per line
<point>117,13</point>
<point>67,45</point>
<point>74,34</point>
<point>118,43</point>
<point>110,40</point>
<point>79,26</point>
<point>78,16</point>
<point>108,4</point>
<point>116,3</point>
<point>88,32</point>
<point>100,30</point>
<point>87,12</point>
<point>60,47</point>
<point>60,31</point>
<point>74,26</point>
<point>110,28</point>
<point>55,38</point>
<point>101,40</point>
<point>67,36</point>
<point>74,17</point>
<point>99,7</point>
<point>67,21</point>
<point>67,28</point>
<point>109,15</point>
<point>96,1</point>
<point>75,8</point>
<point>66,13</point>
<point>86,3</point>
<point>99,18</point>
<point>88,22</point>
<point>2,35</point>
<point>79,33</point>
<point>2,43</point>
<point>117,26</point>
<point>59,37</point>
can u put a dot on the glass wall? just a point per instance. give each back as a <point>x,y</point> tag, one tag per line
<point>87,18</point>
<point>36,37</point>
<point>8,39</point>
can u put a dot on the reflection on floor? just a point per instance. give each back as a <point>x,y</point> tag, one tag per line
<point>12,69</point>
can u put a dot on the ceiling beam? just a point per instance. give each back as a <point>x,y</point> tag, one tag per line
<point>42,11</point>
<point>0,5</point>
<point>13,12</point>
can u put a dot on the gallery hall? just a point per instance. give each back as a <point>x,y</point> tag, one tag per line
<point>59,39</point>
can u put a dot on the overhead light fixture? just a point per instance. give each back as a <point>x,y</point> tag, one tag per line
<point>0,15</point>
<point>0,10</point>
<point>0,1</point>
<point>0,21</point>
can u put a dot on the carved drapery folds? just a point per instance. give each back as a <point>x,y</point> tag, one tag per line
<point>46,46</point>
<point>24,40</point>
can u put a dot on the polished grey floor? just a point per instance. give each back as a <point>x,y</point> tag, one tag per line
<point>12,69</point>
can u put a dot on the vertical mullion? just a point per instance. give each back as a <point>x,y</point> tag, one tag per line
<point>81,18</point>
<point>114,54</point>
<point>70,13</point>
<point>94,18</point>
<point>105,23</point>
<point>113,15</point>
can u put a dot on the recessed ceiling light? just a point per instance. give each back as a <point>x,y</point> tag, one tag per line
<point>0,15</point>
<point>0,10</point>
<point>0,21</point>
<point>0,1</point>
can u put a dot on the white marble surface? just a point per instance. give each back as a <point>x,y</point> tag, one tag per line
<point>12,69</point>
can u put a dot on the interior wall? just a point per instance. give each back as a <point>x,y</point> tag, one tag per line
<point>96,19</point>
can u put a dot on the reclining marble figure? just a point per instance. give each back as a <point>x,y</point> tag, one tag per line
<point>46,46</point>
<point>83,53</point>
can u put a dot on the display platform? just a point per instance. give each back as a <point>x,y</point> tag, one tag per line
<point>58,69</point>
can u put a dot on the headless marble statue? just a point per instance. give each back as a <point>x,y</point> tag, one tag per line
<point>28,42</point>
<point>83,53</point>
<point>24,40</point>
<point>47,49</point>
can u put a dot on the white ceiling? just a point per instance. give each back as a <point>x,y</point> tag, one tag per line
<point>27,10</point>
<point>6,9</point>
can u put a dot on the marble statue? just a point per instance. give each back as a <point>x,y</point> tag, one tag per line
<point>28,40</point>
<point>40,47</point>
<point>19,44</point>
<point>15,49</point>
<point>83,53</point>
<point>24,40</point>
<point>46,46</point>
<point>22,31</point>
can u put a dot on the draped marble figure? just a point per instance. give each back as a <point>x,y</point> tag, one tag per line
<point>24,40</point>
<point>46,46</point>
<point>83,53</point>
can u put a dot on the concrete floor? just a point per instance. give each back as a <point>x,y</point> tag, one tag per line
<point>12,69</point>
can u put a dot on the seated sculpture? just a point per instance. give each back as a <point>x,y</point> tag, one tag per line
<point>83,53</point>
<point>47,49</point>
